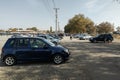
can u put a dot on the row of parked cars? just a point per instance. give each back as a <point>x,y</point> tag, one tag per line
<point>98,38</point>
<point>40,48</point>
<point>102,37</point>
<point>82,36</point>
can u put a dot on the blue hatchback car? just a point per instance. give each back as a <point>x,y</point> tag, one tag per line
<point>32,48</point>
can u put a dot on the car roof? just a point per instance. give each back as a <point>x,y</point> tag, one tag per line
<point>26,38</point>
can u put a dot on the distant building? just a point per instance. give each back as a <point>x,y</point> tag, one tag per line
<point>28,31</point>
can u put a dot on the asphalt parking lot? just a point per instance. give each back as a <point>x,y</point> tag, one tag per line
<point>88,61</point>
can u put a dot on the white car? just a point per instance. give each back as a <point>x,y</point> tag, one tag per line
<point>84,37</point>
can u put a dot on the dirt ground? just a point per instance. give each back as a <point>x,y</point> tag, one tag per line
<point>88,61</point>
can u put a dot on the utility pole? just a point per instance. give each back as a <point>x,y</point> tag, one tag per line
<point>56,20</point>
<point>58,27</point>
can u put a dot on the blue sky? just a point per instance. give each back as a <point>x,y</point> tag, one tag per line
<point>40,13</point>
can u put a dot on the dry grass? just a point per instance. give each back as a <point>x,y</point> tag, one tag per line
<point>117,36</point>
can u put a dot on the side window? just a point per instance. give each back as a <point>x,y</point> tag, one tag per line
<point>11,43</point>
<point>36,43</point>
<point>23,43</point>
<point>109,36</point>
<point>101,36</point>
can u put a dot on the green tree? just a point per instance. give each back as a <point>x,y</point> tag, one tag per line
<point>105,27</point>
<point>80,24</point>
<point>1,30</point>
<point>33,28</point>
<point>118,28</point>
<point>50,29</point>
<point>90,28</point>
<point>47,31</point>
<point>13,29</point>
<point>20,28</point>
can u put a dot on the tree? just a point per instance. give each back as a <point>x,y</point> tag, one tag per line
<point>1,30</point>
<point>20,28</point>
<point>13,29</point>
<point>117,1</point>
<point>105,27</point>
<point>50,29</point>
<point>33,28</point>
<point>118,28</point>
<point>90,28</point>
<point>80,24</point>
<point>47,31</point>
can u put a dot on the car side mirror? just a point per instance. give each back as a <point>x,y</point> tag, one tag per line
<point>50,38</point>
<point>45,46</point>
<point>34,47</point>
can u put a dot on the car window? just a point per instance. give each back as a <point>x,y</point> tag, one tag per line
<point>49,42</point>
<point>23,43</point>
<point>11,43</point>
<point>36,43</point>
<point>101,36</point>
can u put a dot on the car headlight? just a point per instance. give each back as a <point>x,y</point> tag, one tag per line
<point>66,50</point>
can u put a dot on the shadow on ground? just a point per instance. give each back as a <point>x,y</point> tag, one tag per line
<point>88,61</point>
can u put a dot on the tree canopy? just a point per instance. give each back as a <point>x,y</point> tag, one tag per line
<point>33,28</point>
<point>12,29</point>
<point>80,24</point>
<point>105,27</point>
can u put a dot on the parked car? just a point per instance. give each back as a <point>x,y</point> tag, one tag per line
<point>32,49</point>
<point>50,38</point>
<point>21,35</point>
<point>85,37</point>
<point>55,36</point>
<point>102,37</point>
<point>76,35</point>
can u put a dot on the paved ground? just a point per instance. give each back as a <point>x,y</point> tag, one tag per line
<point>89,61</point>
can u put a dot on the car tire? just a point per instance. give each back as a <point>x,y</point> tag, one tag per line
<point>9,60</point>
<point>105,40</point>
<point>109,41</point>
<point>58,59</point>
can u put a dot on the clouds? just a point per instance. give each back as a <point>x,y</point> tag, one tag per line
<point>33,3</point>
<point>91,4</point>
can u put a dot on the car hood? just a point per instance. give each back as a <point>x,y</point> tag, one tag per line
<point>93,37</point>
<point>59,48</point>
<point>56,40</point>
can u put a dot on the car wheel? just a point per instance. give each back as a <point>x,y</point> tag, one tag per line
<point>109,41</point>
<point>9,60</point>
<point>58,59</point>
<point>105,40</point>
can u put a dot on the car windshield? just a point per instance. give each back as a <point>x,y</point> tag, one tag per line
<point>50,43</point>
<point>97,35</point>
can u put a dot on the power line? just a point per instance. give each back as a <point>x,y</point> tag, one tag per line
<point>54,3</point>
<point>47,6</point>
<point>57,28</point>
